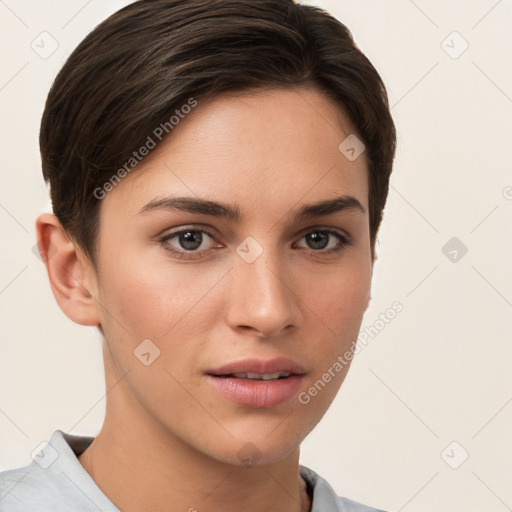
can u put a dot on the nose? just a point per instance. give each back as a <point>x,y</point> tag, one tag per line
<point>263,298</point>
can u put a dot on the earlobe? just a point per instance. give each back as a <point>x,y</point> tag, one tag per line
<point>72,277</point>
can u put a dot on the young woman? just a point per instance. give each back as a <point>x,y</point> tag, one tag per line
<point>218,171</point>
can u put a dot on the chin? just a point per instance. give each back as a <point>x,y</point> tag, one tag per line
<point>250,450</point>
<point>264,449</point>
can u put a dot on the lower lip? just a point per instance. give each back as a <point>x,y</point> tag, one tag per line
<point>257,393</point>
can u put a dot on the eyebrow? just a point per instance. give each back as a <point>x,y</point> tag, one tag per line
<point>233,212</point>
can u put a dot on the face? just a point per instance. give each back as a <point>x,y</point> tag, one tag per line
<point>247,290</point>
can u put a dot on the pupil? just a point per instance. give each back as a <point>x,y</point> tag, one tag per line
<point>191,240</point>
<point>318,240</point>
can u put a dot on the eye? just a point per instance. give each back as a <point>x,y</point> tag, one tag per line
<point>321,239</point>
<point>185,242</point>
<point>190,243</point>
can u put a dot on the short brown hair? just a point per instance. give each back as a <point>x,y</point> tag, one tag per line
<point>148,59</point>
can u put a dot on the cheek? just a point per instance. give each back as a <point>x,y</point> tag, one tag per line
<point>341,299</point>
<point>337,306</point>
<point>168,305</point>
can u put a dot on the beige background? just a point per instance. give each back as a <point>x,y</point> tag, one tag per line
<point>439,372</point>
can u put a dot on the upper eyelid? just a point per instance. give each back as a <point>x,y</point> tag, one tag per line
<point>177,231</point>
<point>211,231</point>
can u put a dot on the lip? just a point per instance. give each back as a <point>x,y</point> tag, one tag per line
<point>279,364</point>
<point>257,393</point>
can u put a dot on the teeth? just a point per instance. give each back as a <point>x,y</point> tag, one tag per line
<point>261,376</point>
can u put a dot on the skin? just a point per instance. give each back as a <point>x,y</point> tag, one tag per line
<point>170,441</point>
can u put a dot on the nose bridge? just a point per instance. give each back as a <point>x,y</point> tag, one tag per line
<point>261,296</point>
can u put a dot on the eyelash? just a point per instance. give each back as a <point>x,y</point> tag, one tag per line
<point>344,242</point>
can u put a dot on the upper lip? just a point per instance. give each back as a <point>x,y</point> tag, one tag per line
<point>260,366</point>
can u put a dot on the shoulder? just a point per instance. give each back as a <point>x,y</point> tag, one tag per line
<point>54,481</point>
<point>325,498</point>
<point>21,489</point>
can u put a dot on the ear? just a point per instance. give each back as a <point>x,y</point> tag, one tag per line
<point>71,274</point>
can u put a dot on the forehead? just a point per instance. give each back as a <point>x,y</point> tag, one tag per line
<point>266,150</point>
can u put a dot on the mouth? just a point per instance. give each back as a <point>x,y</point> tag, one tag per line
<point>257,383</point>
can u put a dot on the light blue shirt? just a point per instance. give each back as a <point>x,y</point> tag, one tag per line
<point>55,481</point>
